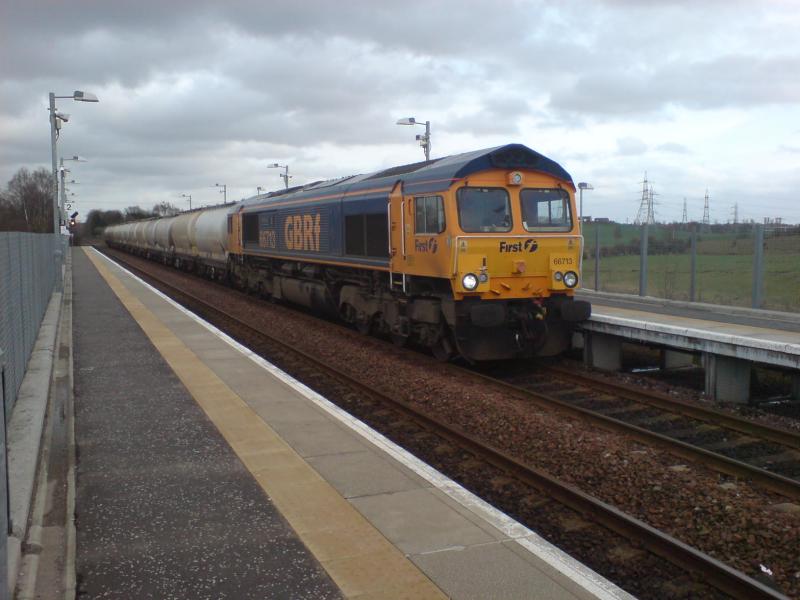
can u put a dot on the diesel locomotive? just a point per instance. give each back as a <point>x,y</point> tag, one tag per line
<point>475,255</point>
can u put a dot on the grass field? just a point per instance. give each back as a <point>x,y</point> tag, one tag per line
<point>724,268</point>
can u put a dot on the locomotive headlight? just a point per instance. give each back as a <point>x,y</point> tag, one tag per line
<point>558,276</point>
<point>470,282</point>
<point>570,279</point>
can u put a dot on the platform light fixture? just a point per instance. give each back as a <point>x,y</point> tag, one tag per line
<point>189,196</point>
<point>75,158</point>
<point>80,96</point>
<point>424,139</point>
<point>583,186</point>
<point>285,175</point>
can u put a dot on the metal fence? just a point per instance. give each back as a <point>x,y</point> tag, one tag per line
<point>737,265</point>
<point>28,276</point>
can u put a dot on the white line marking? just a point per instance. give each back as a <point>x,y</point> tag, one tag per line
<point>582,575</point>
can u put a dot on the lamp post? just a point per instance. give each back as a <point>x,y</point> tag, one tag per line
<point>258,190</point>
<point>425,139</point>
<point>223,191</point>
<point>56,120</point>
<point>285,175</point>
<point>583,186</point>
<point>189,196</point>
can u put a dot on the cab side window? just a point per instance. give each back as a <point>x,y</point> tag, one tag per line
<point>428,215</point>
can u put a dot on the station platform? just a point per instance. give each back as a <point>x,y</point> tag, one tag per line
<point>206,472</point>
<point>731,315</point>
<point>729,339</point>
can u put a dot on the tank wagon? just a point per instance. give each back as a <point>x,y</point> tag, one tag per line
<point>477,254</point>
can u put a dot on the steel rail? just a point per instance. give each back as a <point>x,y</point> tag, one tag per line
<point>718,574</point>
<point>777,483</point>
<point>783,437</point>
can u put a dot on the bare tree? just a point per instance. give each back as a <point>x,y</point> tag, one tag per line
<point>11,218</point>
<point>27,202</point>
<point>97,220</point>
<point>136,213</point>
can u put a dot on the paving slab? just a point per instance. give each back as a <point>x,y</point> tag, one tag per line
<point>418,522</point>
<point>315,438</point>
<point>491,571</point>
<point>356,474</point>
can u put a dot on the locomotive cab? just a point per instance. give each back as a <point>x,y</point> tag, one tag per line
<point>508,243</point>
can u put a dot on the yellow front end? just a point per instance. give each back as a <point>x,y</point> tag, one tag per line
<point>515,266</point>
<point>537,253</point>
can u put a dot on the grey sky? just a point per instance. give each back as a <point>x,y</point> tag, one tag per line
<point>193,93</point>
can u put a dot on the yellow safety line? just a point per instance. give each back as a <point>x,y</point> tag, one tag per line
<point>362,562</point>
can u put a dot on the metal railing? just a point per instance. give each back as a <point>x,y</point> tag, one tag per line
<point>740,265</point>
<point>28,276</point>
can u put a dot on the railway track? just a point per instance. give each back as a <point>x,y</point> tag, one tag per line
<point>704,570</point>
<point>734,446</point>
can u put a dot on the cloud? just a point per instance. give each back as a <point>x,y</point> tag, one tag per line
<point>732,81</point>
<point>674,148</point>
<point>192,92</point>
<point>630,146</point>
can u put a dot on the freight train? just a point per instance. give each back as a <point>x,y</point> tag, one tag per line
<point>475,255</point>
